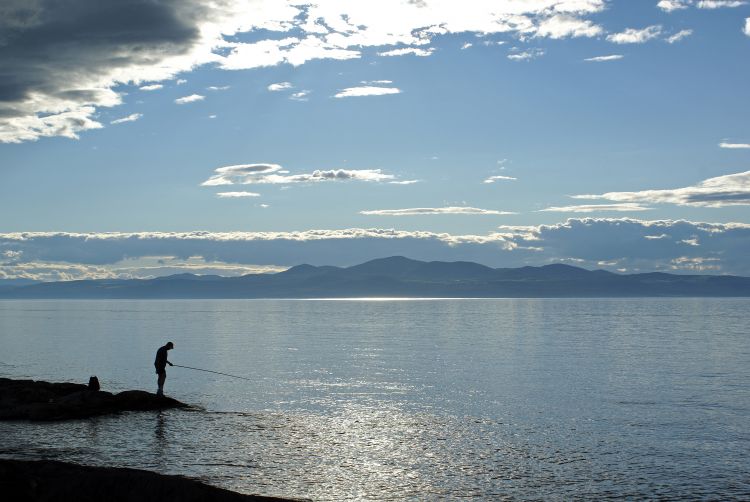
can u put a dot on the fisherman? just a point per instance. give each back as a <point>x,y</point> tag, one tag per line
<point>161,366</point>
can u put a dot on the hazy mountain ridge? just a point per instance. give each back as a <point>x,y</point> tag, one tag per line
<point>397,277</point>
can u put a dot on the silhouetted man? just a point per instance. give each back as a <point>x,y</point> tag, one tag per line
<point>161,366</point>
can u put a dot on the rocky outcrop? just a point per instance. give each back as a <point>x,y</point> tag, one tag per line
<point>36,400</point>
<point>44,480</point>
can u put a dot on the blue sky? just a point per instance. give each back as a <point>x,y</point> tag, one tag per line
<point>508,132</point>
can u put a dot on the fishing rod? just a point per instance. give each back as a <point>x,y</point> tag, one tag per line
<point>209,371</point>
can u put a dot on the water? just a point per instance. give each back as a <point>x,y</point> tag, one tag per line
<point>444,399</point>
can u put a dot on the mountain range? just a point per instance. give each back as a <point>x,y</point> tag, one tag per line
<point>396,276</point>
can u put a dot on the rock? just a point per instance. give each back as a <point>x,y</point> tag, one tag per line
<point>45,480</point>
<point>37,400</point>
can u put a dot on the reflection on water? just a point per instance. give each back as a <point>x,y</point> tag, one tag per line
<point>521,399</point>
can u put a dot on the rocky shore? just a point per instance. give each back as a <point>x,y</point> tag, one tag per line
<point>38,400</point>
<point>45,480</point>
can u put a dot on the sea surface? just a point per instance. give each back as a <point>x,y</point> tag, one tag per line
<point>524,399</point>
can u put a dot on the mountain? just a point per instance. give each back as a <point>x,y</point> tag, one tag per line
<point>398,276</point>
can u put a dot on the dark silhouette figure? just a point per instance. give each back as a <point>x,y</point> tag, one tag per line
<point>94,383</point>
<point>161,366</point>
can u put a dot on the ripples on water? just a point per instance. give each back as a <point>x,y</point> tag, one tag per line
<point>521,399</point>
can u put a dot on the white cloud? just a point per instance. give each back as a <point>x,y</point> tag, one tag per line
<point>403,182</point>
<point>130,118</point>
<point>719,4</point>
<point>564,26</point>
<point>673,5</point>
<point>250,174</point>
<point>721,191</point>
<point>734,146</point>
<point>466,46</point>
<point>746,29</point>
<point>679,36</point>
<point>234,195</point>
<point>217,88</point>
<point>61,80</point>
<point>421,211</point>
<point>189,99</point>
<point>635,36</point>
<point>594,208</point>
<point>599,59</point>
<point>181,81</point>
<point>366,90</point>
<point>526,55</point>
<point>416,51</point>
<point>493,179</point>
<point>280,86</point>
<point>152,87</point>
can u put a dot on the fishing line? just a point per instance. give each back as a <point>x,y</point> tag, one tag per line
<point>210,371</point>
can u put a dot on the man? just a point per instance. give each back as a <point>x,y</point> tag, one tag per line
<point>161,366</point>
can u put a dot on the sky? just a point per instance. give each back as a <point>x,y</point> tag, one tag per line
<point>142,137</point>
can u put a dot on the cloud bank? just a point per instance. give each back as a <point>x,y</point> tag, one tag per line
<point>623,244</point>
<point>274,174</point>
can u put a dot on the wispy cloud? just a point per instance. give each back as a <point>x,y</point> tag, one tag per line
<point>679,36</point>
<point>218,88</point>
<point>719,4</point>
<point>599,59</point>
<point>466,45</point>
<point>635,36</point>
<point>594,208</point>
<point>366,90</point>
<point>673,5</point>
<point>746,29</point>
<point>302,95</point>
<point>235,195</point>
<point>130,118</point>
<point>422,211</point>
<point>564,26</point>
<point>728,190</point>
<point>498,177</point>
<point>189,99</point>
<point>152,87</point>
<point>734,146</point>
<point>403,182</point>
<point>415,51</point>
<point>250,174</point>
<point>526,55</point>
<point>280,86</point>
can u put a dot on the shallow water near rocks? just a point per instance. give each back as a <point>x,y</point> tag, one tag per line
<point>416,399</point>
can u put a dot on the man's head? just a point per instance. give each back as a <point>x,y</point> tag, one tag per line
<point>170,345</point>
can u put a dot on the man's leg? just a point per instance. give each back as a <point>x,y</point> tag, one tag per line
<point>160,381</point>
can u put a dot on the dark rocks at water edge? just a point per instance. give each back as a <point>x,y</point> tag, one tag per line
<point>398,277</point>
<point>49,480</point>
<point>37,400</point>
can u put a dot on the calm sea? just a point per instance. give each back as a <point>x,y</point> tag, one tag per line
<point>411,399</point>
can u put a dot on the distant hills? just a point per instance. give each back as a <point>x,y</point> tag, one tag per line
<point>397,277</point>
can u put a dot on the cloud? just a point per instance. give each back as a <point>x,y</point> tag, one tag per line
<point>526,55</point>
<point>54,78</point>
<point>493,179</point>
<point>280,86</point>
<point>189,99</point>
<point>721,191</point>
<point>366,90</point>
<point>719,4</point>
<point>679,36</point>
<point>746,29</point>
<point>734,146</point>
<point>234,195</point>
<point>403,182</point>
<point>635,36</point>
<point>415,51</point>
<point>421,211</point>
<point>376,82</point>
<point>217,88</point>
<point>249,174</point>
<point>620,243</point>
<point>599,59</point>
<point>593,208</point>
<point>152,87</point>
<point>564,26</point>
<point>300,96</point>
<point>673,5</point>
<point>466,45</point>
<point>130,118</point>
